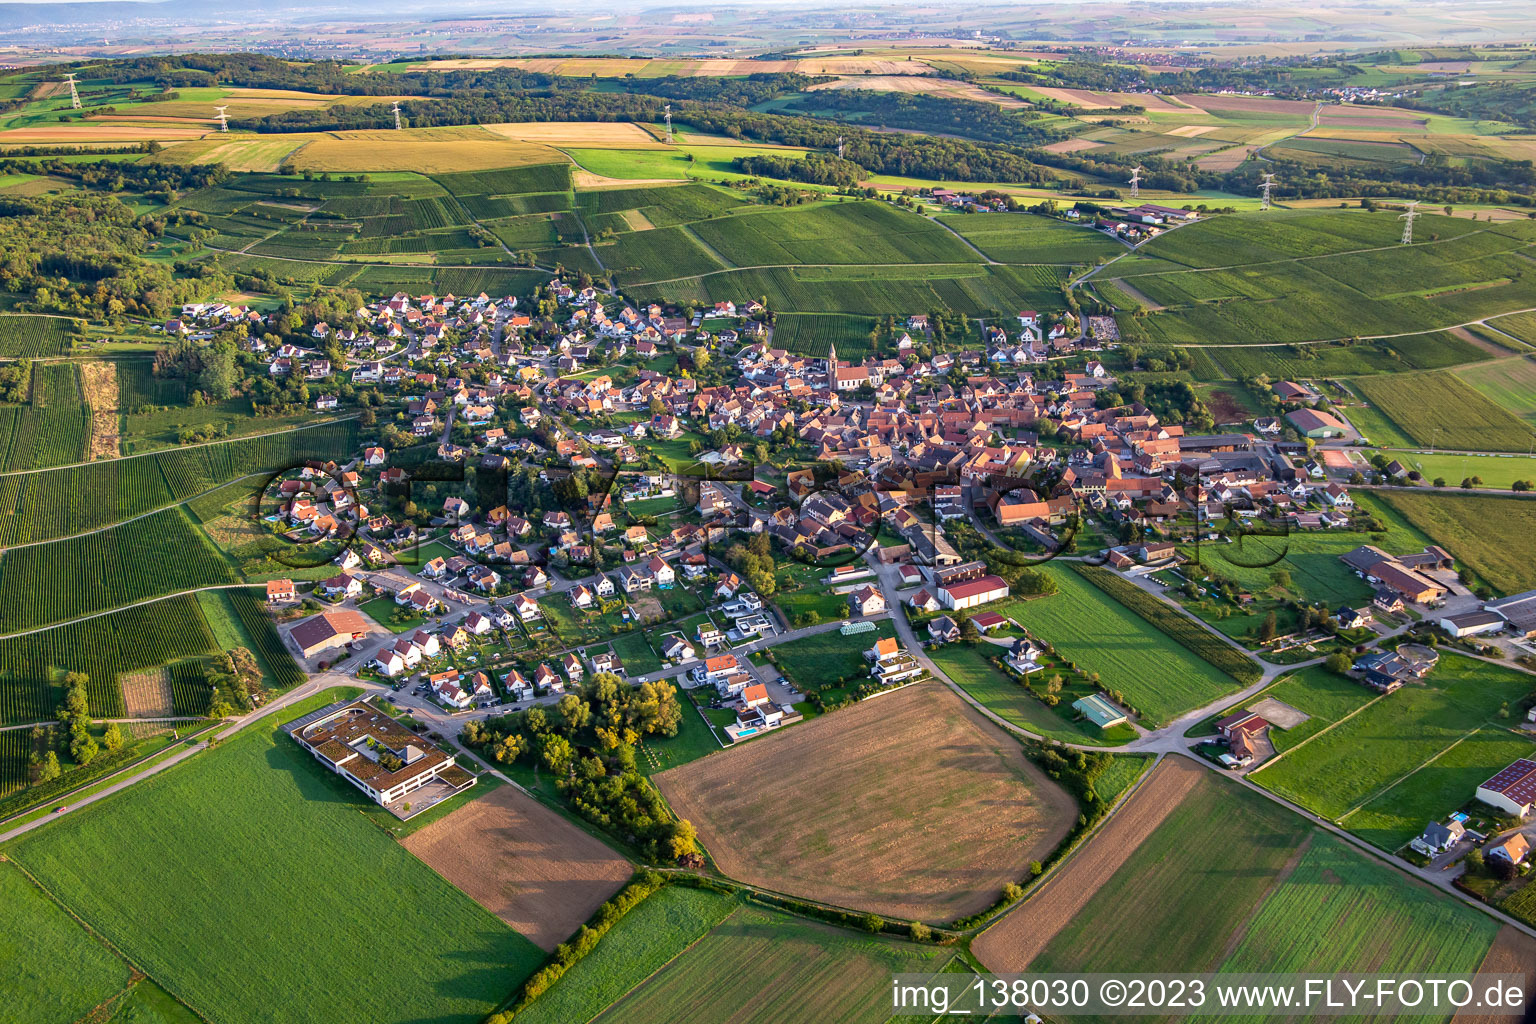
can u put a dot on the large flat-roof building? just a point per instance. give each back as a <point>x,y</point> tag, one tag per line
<point>374,752</point>
<point>1512,790</point>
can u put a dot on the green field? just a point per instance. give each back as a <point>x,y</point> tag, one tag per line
<point>258,817</point>
<point>813,661</point>
<point>1026,238</point>
<point>1158,676</point>
<point>1307,275</point>
<point>643,941</point>
<point>1005,697</point>
<point>29,337</point>
<point>55,971</point>
<point>799,971</point>
<point>1290,898</point>
<point>1511,383</point>
<point>1440,410</point>
<point>71,500</point>
<point>1496,471</point>
<point>1432,792</point>
<point>1494,537</point>
<point>1347,767</point>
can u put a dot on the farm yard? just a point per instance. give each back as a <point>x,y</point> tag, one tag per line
<point>1338,772</point>
<point>1148,908</point>
<point>523,862</point>
<point>856,850</point>
<point>259,816</point>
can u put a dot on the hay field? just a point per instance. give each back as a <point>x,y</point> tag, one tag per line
<point>237,152</point>
<point>587,134</point>
<point>946,87</point>
<point>1224,159</point>
<point>1091,100</point>
<point>932,812</point>
<point>388,151</point>
<point>523,862</point>
<point>76,134</point>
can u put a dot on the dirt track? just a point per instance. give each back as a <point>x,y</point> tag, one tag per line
<point>524,863</point>
<point>910,805</point>
<point>1010,945</point>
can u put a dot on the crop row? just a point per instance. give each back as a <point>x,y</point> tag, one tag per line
<point>32,666</point>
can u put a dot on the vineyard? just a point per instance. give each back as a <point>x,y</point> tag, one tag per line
<point>15,749</point>
<point>67,579</point>
<point>61,502</point>
<point>32,666</point>
<point>52,429</point>
<point>28,337</point>
<point>1441,410</point>
<point>190,692</point>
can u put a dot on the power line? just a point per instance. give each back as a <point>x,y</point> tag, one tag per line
<point>1407,219</point>
<point>839,147</point>
<point>666,112</point>
<point>397,115</point>
<point>74,94</point>
<point>1136,182</point>
<point>223,117</point>
<point>1268,183</point>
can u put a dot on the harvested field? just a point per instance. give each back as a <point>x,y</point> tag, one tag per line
<point>587,134</point>
<point>428,156</point>
<point>946,87</point>
<point>1224,159</point>
<point>1089,100</point>
<point>1513,952</point>
<point>934,809</point>
<point>1301,109</point>
<point>524,863</point>
<point>98,383</point>
<point>148,694</point>
<point>1071,146</point>
<point>1013,942</point>
<point>1191,131</point>
<point>97,133</point>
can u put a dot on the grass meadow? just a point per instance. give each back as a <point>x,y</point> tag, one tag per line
<point>1440,410</point>
<point>1509,382</point>
<point>1087,626</point>
<point>55,971</point>
<point>1341,770</point>
<point>248,883</point>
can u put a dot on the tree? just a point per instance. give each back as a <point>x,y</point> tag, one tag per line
<point>919,931</point>
<point>219,374</point>
<point>112,739</point>
<point>1269,629</point>
<point>557,753</point>
<point>1338,662</point>
<point>48,768</point>
<point>969,633</point>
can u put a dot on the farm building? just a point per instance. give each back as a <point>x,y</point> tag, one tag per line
<point>375,753</point>
<point>1512,790</point>
<point>959,596</point>
<point>1098,710</point>
<point>328,630</point>
<point>1519,610</point>
<point>1312,423</point>
<point>1472,623</point>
